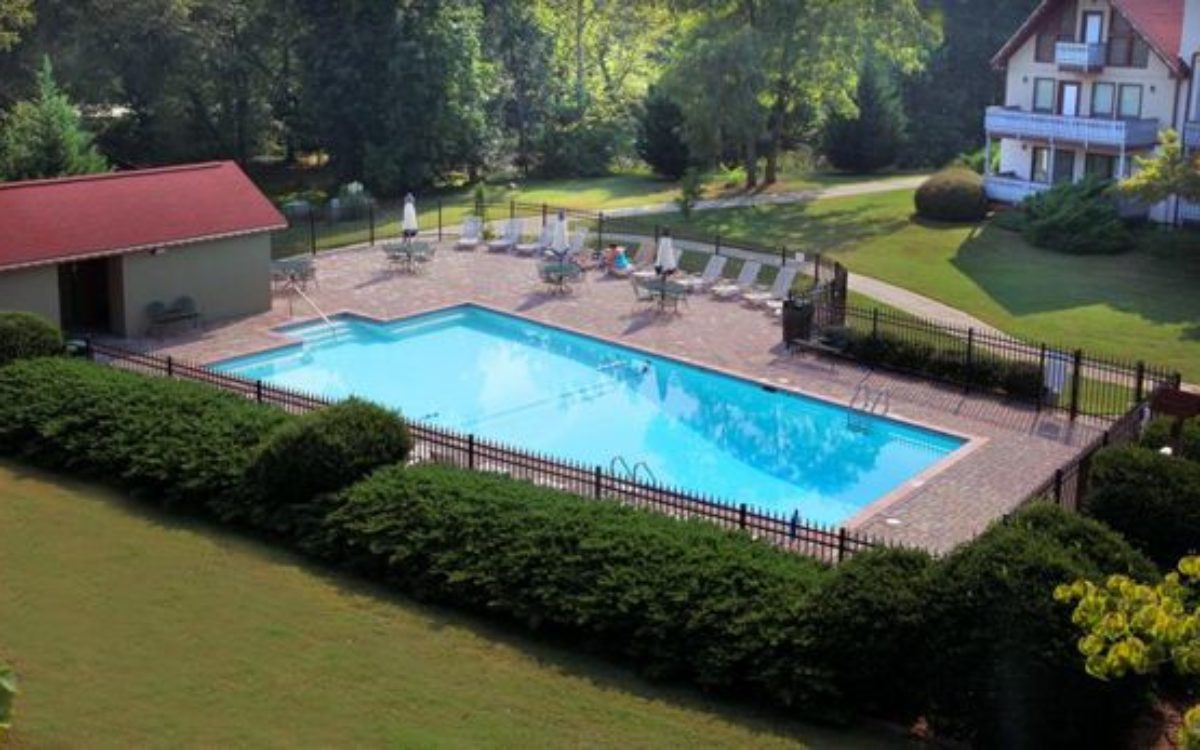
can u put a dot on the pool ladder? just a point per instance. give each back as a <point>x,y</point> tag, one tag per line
<point>865,402</point>
<point>620,467</point>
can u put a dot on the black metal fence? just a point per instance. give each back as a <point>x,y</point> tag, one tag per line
<point>436,444</point>
<point>1059,378</point>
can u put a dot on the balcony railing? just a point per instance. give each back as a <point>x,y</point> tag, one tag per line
<point>1191,135</point>
<point>1085,56</point>
<point>1088,131</point>
<point>1010,189</point>
<point>1189,213</point>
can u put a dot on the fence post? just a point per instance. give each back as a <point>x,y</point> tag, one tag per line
<point>874,322</point>
<point>656,231</point>
<point>1076,384</point>
<point>1041,397</point>
<point>439,219</point>
<point>512,208</point>
<point>795,522</point>
<point>841,551</point>
<point>741,515</point>
<point>782,256</point>
<point>816,269</point>
<point>600,232</point>
<point>596,482</point>
<point>312,231</point>
<point>258,391</point>
<point>371,221</point>
<point>1141,382</point>
<point>717,245</point>
<point>1058,486</point>
<point>470,451</point>
<point>544,209</point>
<point>170,366</point>
<point>970,361</point>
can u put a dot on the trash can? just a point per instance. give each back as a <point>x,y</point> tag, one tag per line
<point>797,320</point>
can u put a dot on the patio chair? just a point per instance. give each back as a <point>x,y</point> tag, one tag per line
<point>642,293</point>
<point>710,276</point>
<point>538,245</point>
<point>672,294</point>
<point>778,291</point>
<point>471,236</point>
<point>423,252</point>
<point>644,257</point>
<point>745,282</point>
<point>508,240</point>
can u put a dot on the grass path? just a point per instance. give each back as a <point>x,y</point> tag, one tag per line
<point>131,629</point>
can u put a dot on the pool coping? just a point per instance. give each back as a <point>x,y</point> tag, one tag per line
<point>865,515</point>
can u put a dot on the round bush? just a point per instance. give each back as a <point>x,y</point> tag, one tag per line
<point>954,194</point>
<point>325,451</point>
<point>1004,667</point>
<point>25,335</point>
<point>1153,500</point>
<point>870,627</point>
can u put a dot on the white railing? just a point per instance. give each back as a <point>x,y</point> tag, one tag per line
<point>1080,55</point>
<point>1001,121</point>
<point>1189,212</point>
<point>1191,135</point>
<point>1010,189</point>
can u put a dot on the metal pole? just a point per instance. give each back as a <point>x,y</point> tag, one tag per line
<point>1141,382</point>
<point>512,208</point>
<point>841,555</point>
<point>742,516</point>
<point>600,232</point>
<point>439,219</point>
<point>596,481</point>
<point>371,221</point>
<point>312,231</point>
<point>717,245</point>
<point>1076,383</point>
<point>1041,377</point>
<point>970,360</point>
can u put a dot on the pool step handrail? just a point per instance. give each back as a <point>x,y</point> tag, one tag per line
<point>333,328</point>
<point>867,402</point>
<point>621,468</point>
<point>616,464</point>
<point>650,476</point>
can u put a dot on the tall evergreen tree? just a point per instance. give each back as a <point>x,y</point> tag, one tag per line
<point>45,137</point>
<point>872,140</point>
<point>660,140</point>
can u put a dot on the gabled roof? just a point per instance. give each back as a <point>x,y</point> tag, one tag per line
<point>50,221</point>
<point>1159,22</point>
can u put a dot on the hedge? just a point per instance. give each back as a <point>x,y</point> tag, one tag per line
<point>24,335</point>
<point>1152,499</point>
<point>1004,666</point>
<point>1158,435</point>
<point>1079,218</point>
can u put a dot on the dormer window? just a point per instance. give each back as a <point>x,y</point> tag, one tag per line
<point>1125,48</point>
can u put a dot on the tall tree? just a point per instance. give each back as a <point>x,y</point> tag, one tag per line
<point>15,16</point>
<point>871,140</point>
<point>45,138</point>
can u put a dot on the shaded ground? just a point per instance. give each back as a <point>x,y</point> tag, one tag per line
<point>133,629</point>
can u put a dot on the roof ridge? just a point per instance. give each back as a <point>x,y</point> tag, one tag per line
<point>99,176</point>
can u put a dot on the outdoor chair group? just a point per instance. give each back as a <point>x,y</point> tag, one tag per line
<point>408,255</point>
<point>294,272</point>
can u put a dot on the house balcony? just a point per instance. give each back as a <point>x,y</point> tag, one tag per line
<point>1191,136</point>
<point>1002,122</point>
<point>1080,56</point>
<point>1010,189</point>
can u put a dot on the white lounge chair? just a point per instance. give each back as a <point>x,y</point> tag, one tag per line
<point>508,240</point>
<point>711,275</point>
<point>778,292</point>
<point>471,234</point>
<point>745,282</point>
<point>538,245</point>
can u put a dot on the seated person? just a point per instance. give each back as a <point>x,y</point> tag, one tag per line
<point>615,259</point>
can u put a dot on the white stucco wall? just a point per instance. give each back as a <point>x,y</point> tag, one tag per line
<point>32,290</point>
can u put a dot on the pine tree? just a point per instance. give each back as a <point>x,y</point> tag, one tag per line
<point>45,137</point>
<point>660,140</point>
<point>872,140</point>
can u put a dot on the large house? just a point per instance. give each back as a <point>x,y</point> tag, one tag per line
<point>100,253</point>
<point>1090,83</point>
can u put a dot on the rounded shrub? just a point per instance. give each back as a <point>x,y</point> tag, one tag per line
<point>324,451</point>
<point>1004,667</point>
<point>24,335</point>
<point>1152,499</point>
<point>870,628</point>
<point>954,194</point>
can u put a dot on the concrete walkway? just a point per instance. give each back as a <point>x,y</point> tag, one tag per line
<point>916,304</point>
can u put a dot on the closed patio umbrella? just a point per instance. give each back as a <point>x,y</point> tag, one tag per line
<point>409,223</point>
<point>666,260</point>
<point>559,244</point>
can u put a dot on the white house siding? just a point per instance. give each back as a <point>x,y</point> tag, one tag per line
<point>32,290</point>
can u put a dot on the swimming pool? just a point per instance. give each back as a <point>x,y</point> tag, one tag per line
<point>540,388</point>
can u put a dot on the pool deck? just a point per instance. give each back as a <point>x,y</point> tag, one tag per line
<point>1012,448</point>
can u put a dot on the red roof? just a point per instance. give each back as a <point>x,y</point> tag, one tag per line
<point>1159,22</point>
<point>47,221</point>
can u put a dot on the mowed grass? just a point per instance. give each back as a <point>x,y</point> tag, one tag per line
<point>1140,305</point>
<point>132,629</point>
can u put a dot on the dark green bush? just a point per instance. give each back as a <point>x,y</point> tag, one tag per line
<point>681,599</point>
<point>1004,666</point>
<point>1011,220</point>
<point>173,441</point>
<point>954,194</point>
<point>1158,435</point>
<point>870,631</point>
<point>1153,500</point>
<point>323,451</point>
<point>1077,218</point>
<point>24,335</point>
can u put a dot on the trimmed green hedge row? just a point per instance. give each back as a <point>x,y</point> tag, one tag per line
<point>891,632</point>
<point>24,335</point>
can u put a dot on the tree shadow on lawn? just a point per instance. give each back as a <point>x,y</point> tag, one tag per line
<point>1154,282</point>
<point>547,651</point>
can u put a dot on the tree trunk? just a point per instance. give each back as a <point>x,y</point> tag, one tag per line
<point>751,162</point>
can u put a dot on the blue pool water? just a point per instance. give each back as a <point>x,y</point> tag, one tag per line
<point>571,396</point>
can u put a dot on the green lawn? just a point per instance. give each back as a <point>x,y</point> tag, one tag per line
<point>133,629</point>
<point>1143,304</point>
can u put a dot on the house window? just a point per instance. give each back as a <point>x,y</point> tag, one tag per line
<point>1125,48</point>
<point>1041,165</point>
<point>1129,103</point>
<point>1058,28</point>
<point>1043,95</point>
<point>1103,99</point>
<point>1102,166</point>
<point>1064,166</point>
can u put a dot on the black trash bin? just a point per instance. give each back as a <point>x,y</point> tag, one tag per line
<point>797,321</point>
